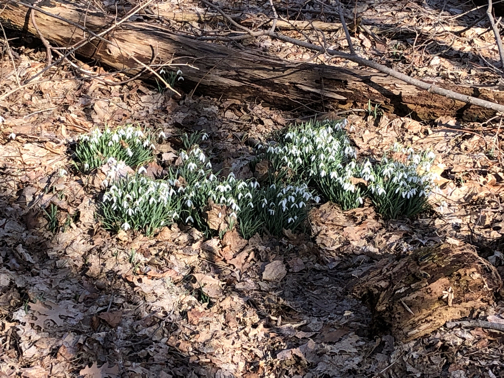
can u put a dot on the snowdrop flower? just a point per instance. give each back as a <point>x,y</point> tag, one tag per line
<point>189,203</point>
<point>142,170</point>
<point>162,135</point>
<point>271,211</point>
<point>189,219</point>
<point>104,183</point>
<point>290,220</point>
<point>192,166</point>
<point>179,72</point>
<point>204,136</point>
<point>125,226</point>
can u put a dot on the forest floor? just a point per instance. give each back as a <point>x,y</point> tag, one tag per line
<point>77,300</point>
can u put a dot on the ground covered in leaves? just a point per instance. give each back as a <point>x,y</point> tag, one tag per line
<point>76,300</point>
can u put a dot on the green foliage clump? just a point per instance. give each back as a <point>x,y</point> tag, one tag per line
<point>401,188</point>
<point>321,153</point>
<point>139,203</point>
<point>126,144</point>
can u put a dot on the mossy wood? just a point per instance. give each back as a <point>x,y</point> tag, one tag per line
<point>415,295</point>
<point>246,75</point>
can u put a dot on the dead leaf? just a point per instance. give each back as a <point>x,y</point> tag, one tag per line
<point>240,260</point>
<point>99,372</point>
<point>216,217</point>
<point>234,241</point>
<point>211,286</point>
<point>296,265</point>
<point>274,271</point>
<point>112,318</point>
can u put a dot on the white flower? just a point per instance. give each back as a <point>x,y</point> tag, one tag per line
<point>179,72</point>
<point>162,135</point>
<point>192,166</point>
<point>189,203</point>
<point>204,136</point>
<point>104,183</point>
<point>125,226</point>
<point>189,219</point>
<point>271,211</point>
<point>142,170</point>
<point>62,172</point>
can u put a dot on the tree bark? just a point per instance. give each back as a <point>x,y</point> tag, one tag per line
<point>416,295</point>
<point>245,75</point>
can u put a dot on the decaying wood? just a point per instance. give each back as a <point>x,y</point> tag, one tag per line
<point>248,76</point>
<point>420,293</point>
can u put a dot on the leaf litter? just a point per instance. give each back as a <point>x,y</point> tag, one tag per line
<point>83,302</point>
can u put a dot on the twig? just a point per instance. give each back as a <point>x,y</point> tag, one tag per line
<point>389,71</point>
<point>476,323</point>
<point>155,73</point>
<point>276,17</point>
<point>377,66</point>
<point>91,75</point>
<point>64,20</point>
<point>343,23</point>
<point>10,55</point>
<point>496,32</point>
<point>42,38</point>
<point>87,40</point>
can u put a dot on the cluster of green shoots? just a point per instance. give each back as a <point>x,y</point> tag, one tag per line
<point>318,154</point>
<point>321,154</point>
<point>189,191</point>
<point>127,144</point>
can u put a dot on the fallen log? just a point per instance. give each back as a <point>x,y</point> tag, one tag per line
<point>248,76</point>
<point>416,295</point>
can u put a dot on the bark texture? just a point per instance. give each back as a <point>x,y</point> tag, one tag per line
<point>244,75</point>
<point>418,294</point>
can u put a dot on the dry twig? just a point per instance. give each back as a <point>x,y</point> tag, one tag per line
<point>369,63</point>
<point>496,32</point>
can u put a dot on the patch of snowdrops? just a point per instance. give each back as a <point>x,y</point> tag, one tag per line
<point>189,192</point>
<point>321,153</point>
<point>127,144</point>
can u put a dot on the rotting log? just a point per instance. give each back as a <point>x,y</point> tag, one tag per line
<point>415,295</point>
<point>244,75</point>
